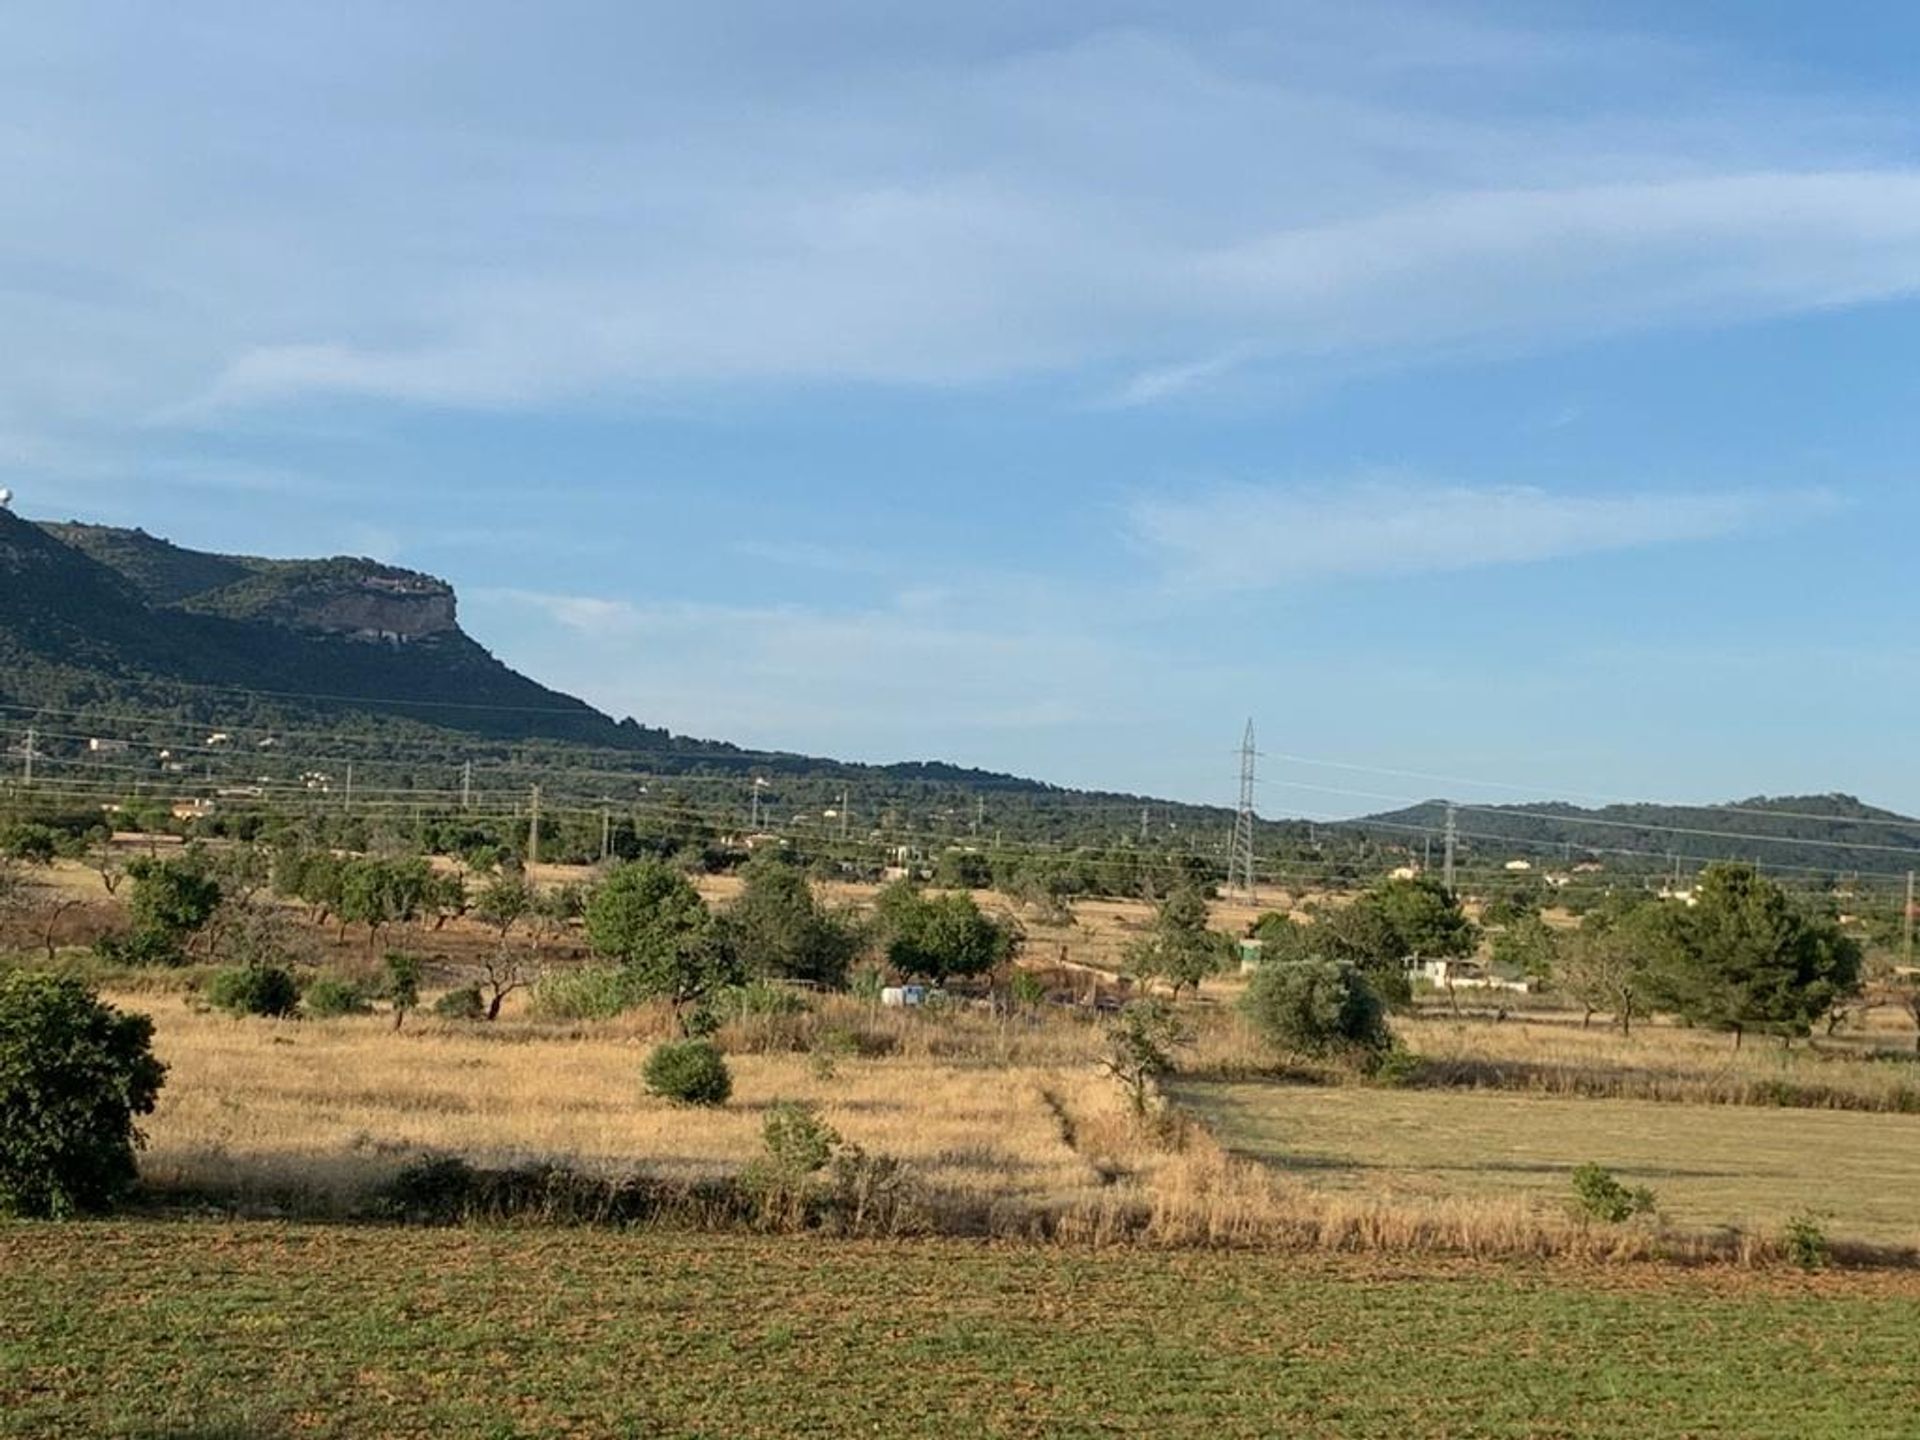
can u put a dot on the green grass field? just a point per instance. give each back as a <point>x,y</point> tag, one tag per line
<point>225,1330</point>
<point>1709,1165</point>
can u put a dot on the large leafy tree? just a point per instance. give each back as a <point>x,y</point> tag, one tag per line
<point>778,930</point>
<point>1744,957</point>
<point>941,937</point>
<point>73,1075</point>
<point>648,917</point>
<point>1428,920</point>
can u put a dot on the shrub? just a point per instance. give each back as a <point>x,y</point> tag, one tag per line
<point>797,1140</point>
<point>462,1004</point>
<point>1027,990</point>
<point>1806,1242</point>
<point>689,1072</point>
<point>140,948</point>
<point>1318,1008</point>
<point>756,999</point>
<point>330,996</point>
<point>1600,1196</point>
<point>265,990</point>
<point>73,1074</point>
<point>597,992</point>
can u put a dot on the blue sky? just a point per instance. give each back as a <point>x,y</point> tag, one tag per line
<point>1521,394</point>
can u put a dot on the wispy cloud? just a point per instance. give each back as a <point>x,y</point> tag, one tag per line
<point>1077,193</point>
<point>1261,537</point>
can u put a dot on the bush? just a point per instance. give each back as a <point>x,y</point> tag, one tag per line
<point>1318,1008</point>
<point>462,1004</point>
<point>265,990</point>
<point>1806,1242</point>
<point>598,992</point>
<point>73,1074</point>
<point>689,1072</point>
<point>1600,1196</point>
<point>140,948</point>
<point>755,999</point>
<point>330,996</point>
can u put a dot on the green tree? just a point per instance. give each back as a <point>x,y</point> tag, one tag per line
<point>1139,1048</point>
<point>170,901</point>
<point>1428,920</point>
<point>942,937</point>
<point>648,917</point>
<point>73,1075</point>
<point>778,930</point>
<point>1320,1008</point>
<point>402,985</point>
<point>1359,933</point>
<point>1179,949</point>
<point>1743,956</point>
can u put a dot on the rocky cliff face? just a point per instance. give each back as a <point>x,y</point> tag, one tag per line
<point>392,606</point>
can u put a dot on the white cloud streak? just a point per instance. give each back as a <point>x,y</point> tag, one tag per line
<point>267,212</point>
<point>1253,538</point>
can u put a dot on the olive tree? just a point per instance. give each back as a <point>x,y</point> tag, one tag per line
<point>73,1075</point>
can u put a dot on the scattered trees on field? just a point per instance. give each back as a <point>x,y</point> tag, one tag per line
<point>74,1074</point>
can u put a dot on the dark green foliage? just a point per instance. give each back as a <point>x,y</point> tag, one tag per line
<point>463,1003</point>
<point>648,917</point>
<point>173,899</point>
<point>1320,1008</point>
<point>776,929</point>
<point>73,1075</point>
<point>1429,921</point>
<point>330,996</point>
<point>964,870</point>
<point>1743,956</point>
<point>941,937</point>
<point>1600,1196</point>
<point>264,990</point>
<point>30,844</point>
<point>688,1072</point>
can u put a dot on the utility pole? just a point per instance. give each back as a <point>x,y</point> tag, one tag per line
<point>754,823</point>
<point>843,813</point>
<point>26,759</point>
<point>979,812</point>
<point>466,786</point>
<point>1906,943</point>
<point>533,828</point>
<point>1143,825</point>
<point>346,803</point>
<point>1452,838</point>
<point>606,834</point>
<point>1240,859</point>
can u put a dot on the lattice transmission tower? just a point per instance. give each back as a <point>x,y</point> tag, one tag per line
<point>1240,859</point>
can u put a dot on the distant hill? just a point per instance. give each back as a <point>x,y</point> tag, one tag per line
<point>120,633</point>
<point>1814,833</point>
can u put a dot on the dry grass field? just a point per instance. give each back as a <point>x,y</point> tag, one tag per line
<point>1742,1167</point>
<point>1008,1128</point>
